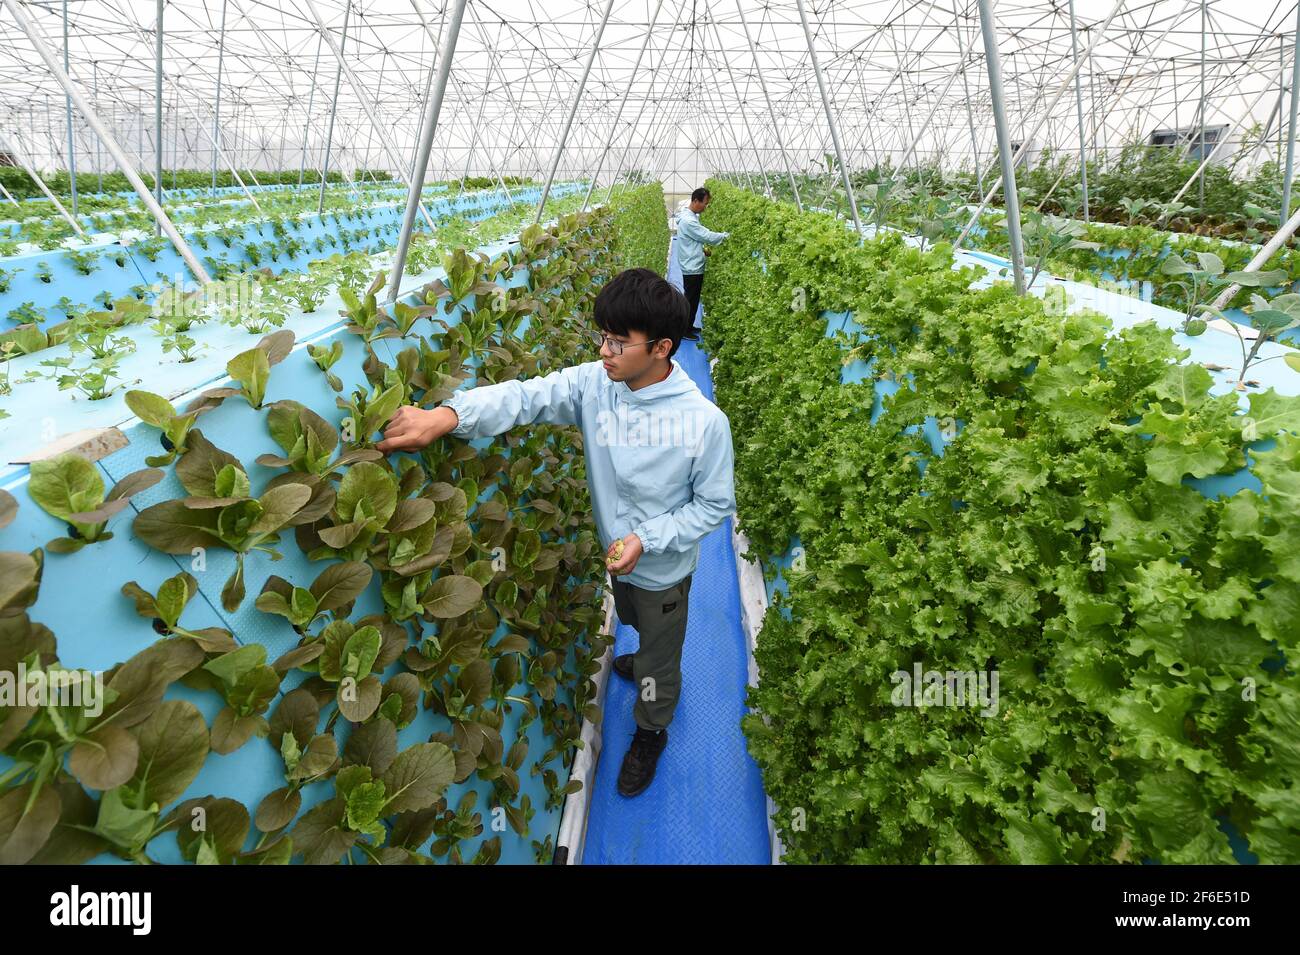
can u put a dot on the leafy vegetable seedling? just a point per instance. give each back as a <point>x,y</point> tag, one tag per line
<point>1196,282</point>
<point>70,488</point>
<point>308,441</point>
<point>220,512</point>
<point>248,685</point>
<point>1269,318</point>
<point>334,590</point>
<point>325,359</point>
<point>165,607</point>
<point>251,369</point>
<point>157,411</point>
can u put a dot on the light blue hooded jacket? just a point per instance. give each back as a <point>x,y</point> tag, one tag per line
<point>692,237</point>
<point>659,459</point>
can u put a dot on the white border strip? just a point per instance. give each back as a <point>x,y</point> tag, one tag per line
<point>753,607</point>
<point>573,822</point>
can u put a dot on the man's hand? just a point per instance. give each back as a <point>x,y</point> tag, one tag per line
<point>413,428</point>
<point>623,555</point>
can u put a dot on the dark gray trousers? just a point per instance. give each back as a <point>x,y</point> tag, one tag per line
<point>659,617</point>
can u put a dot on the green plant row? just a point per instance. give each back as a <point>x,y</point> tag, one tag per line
<point>42,225</point>
<point>450,571</point>
<point>1141,631</point>
<point>1136,185</point>
<point>105,336</point>
<point>643,228</point>
<point>1142,251</point>
<point>21,186</point>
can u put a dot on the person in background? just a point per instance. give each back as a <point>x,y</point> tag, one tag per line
<point>693,241</point>
<point>659,468</point>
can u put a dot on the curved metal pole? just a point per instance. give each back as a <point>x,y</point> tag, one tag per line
<point>1047,112</point>
<point>91,117</point>
<point>492,65</point>
<point>1078,108</point>
<point>358,90</point>
<point>970,115</point>
<point>428,127</point>
<point>334,106</point>
<point>758,70</point>
<point>36,178</point>
<point>573,109</point>
<point>222,153</point>
<point>1285,212</point>
<point>830,118</point>
<point>433,70</point>
<point>1261,257</point>
<point>988,27</point>
<point>939,101</point>
<point>744,115</point>
<point>494,60</point>
<point>1201,111</point>
<point>654,18</point>
<point>99,166</point>
<point>72,146</point>
<point>311,100</point>
<point>158,108</point>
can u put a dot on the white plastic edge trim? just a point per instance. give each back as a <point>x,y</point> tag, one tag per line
<point>573,821</point>
<point>753,607</point>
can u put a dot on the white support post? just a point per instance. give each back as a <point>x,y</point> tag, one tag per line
<point>394,159</point>
<point>91,117</point>
<point>428,127</point>
<point>36,178</point>
<point>993,62</point>
<point>1047,112</point>
<point>573,109</point>
<point>830,118</point>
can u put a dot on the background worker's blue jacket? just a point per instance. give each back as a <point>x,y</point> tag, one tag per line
<point>691,239</point>
<point>659,459</point>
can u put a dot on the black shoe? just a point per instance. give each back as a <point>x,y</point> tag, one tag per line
<point>639,764</point>
<point>623,666</point>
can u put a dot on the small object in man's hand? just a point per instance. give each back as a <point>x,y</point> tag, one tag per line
<point>617,555</point>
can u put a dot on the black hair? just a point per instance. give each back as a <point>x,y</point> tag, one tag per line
<point>640,300</point>
<point>700,194</point>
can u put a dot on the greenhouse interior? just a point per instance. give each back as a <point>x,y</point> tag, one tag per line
<point>941,519</point>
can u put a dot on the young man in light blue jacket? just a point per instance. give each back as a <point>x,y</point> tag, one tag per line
<point>659,468</point>
<point>692,248</point>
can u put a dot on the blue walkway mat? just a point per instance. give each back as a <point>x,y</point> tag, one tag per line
<point>706,804</point>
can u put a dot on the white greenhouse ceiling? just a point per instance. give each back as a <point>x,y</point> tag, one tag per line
<point>263,77</point>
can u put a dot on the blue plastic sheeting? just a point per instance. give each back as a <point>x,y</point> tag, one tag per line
<point>40,411</point>
<point>377,212</point>
<point>97,627</point>
<point>706,804</point>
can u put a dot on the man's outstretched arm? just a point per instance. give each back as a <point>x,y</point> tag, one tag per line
<point>696,230</point>
<point>489,410</point>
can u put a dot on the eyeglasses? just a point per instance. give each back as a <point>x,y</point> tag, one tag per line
<point>600,338</point>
